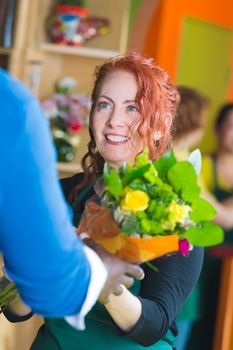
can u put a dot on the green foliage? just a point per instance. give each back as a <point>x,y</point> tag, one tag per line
<point>202,211</point>
<point>133,174</point>
<point>131,224</point>
<point>183,179</point>
<point>205,234</point>
<point>113,182</point>
<point>163,164</point>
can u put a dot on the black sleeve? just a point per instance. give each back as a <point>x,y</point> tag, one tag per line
<point>69,183</point>
<point>163,294</point>
<point>12,317</point>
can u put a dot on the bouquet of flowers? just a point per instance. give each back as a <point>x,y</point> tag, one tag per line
<point>67,113</point>
<point>151,209</point>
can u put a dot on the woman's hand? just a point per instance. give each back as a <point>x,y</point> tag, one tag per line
<point>124,309</point>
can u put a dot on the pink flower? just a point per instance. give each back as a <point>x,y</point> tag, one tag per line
<point>49,107</point>
<point>184,246</point>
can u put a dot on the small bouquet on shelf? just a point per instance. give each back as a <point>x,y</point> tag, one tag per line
<point>8,292</point>
<point>68,113</point>
<point>151,209</point>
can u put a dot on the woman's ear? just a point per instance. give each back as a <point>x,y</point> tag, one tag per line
<point>168,121</point>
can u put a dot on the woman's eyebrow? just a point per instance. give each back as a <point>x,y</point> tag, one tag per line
<point>111,100</point>
<point>104,96</point>
<point>130,101</point>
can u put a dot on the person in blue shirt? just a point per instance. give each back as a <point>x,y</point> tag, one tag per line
<point>54,272</point>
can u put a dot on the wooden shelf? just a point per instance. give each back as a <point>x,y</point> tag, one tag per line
<point>78,51</point>
<point>69,168</point>
<point>5,51</point>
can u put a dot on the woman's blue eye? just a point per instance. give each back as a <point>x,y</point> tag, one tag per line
<point>103,105</point>
<point>132,108</point>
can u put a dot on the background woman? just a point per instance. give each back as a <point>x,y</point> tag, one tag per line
<point>217,175</point>
<point>188,130</point>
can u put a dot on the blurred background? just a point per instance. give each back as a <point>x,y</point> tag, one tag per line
<point>54,46</point>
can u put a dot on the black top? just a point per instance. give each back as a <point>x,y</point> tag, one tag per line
<point>162,293</point>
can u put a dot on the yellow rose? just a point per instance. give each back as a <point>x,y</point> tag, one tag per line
<point>179,212</point>
<point>135,201</point>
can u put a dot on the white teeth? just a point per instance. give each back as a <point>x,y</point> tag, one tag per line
<point>115,138</point>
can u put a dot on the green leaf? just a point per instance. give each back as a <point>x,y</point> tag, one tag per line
<point>164,163</point>
<point>142,158</point>
<point>131,224</point>
<point>156,228</point>
<point>114,184</point>
<point>135,174</point>
<point>138,185</point>
<point>146,225</point>
<point>163,193</point>
<point>183,179</point>
<point>202,211</point>
<point>105,173</point>
<point>205,234</point>
<point>151,175</point>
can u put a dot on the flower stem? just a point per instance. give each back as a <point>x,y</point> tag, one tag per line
<point>152,267</point>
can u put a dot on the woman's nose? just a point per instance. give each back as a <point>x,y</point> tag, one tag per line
<point>116,118</point>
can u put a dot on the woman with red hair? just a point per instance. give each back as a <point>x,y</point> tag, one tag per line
<point>133,106</point>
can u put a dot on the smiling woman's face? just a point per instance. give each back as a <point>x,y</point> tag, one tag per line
<point>116,117</point>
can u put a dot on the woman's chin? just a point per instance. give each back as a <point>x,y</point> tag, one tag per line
<point>116,162</point>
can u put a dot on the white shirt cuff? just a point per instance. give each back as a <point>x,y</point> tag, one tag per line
<point>97,281</point>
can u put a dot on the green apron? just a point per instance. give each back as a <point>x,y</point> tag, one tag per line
<point>101,333</point>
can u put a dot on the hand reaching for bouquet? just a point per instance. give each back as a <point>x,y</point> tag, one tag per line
<point>119,271</point>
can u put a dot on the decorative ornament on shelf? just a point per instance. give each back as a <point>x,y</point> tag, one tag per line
<point>70,23</point>
<point>68,113</point>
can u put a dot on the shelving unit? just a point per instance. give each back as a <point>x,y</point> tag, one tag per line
<point>5,51</point>
<point>78,51</point>
<point>68,169</point>
<point>39,63</point>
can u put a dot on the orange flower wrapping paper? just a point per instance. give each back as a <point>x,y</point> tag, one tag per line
<point>98,223</point>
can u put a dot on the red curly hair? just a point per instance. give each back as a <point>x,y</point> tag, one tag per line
<point>157,98</point>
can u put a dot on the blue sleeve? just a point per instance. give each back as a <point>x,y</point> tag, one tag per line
<point>41,251</point>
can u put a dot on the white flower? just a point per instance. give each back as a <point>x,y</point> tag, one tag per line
<point>67,83</point>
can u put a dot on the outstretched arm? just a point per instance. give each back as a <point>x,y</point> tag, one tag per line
<point>147,318</point>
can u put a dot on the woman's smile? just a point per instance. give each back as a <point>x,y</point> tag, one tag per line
<point>116,139</point>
